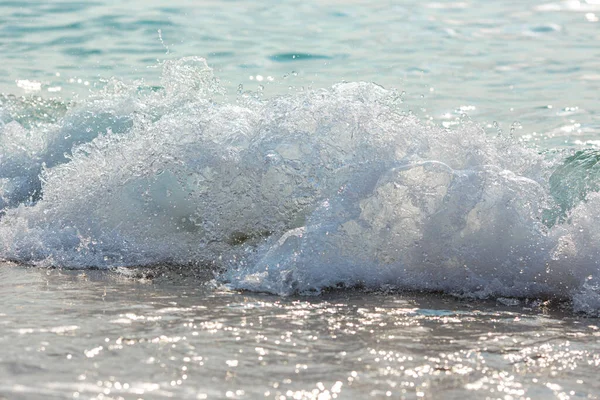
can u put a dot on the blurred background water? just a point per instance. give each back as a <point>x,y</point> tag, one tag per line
<point>530,66</point>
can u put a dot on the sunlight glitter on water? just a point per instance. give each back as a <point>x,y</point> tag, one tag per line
<point>344,345</point>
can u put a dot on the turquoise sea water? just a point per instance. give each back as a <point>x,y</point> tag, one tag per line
<point>528,62</point>
<point>299,199</point>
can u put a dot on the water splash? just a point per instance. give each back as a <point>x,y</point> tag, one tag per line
<point>297,193</point>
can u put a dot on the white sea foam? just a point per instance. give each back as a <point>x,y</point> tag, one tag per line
<point>324,188</point>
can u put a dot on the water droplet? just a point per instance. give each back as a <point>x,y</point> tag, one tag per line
<point>294,73</point>
<point>497,127</point>
<point>514,126</point>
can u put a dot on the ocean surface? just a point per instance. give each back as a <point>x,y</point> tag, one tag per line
<point>299,200</point>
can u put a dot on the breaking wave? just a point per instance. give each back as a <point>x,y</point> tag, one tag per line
<point>296,193</point>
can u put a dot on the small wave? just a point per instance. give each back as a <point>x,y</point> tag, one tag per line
<point>335,187</point>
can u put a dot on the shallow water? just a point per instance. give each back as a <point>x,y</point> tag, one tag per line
<point>415,185</point>
<point>102,335</point>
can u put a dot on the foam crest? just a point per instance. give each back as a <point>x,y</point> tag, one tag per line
<point>295,194</point>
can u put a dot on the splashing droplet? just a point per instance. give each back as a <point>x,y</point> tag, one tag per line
<point>497,128</point>
<point>515,126</point>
